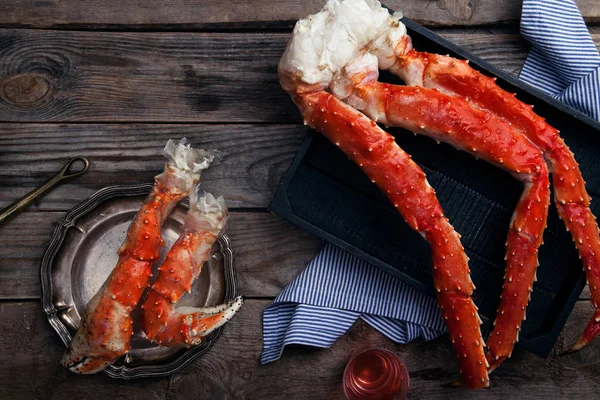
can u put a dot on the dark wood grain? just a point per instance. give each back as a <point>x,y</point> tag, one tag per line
<point>167,77</point>
<point>253,158</point>
<point>231,370</point>
<point>145,77</point>
<point>269,252</point>
<point>205,14</point>
<point>30,369</point>
<point>117,96</point>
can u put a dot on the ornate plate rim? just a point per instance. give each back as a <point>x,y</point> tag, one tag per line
<point>58,237</point>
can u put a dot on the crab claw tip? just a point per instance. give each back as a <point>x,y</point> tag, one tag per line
<point>581,343</point>
<point>454,384</point>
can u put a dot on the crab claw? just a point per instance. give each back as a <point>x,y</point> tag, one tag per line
<point>102,337</point>
<point>82,364</point>
<point>188,326</point>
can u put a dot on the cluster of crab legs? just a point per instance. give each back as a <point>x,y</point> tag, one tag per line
<point>106,327</point>
<point>339,95</point>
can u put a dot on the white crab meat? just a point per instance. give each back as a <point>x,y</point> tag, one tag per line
<point>324,43</point>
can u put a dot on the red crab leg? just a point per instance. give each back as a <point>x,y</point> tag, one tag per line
<point>571,198</point>
<point>453,120</point>
<point>405,185</point>
<point>106,326</point>
<point>187,326</point>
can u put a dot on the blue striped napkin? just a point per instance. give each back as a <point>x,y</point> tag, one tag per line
<point>564,61</point>
<point>336,288</point>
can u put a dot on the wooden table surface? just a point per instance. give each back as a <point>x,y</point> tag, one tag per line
<point>113,80</point>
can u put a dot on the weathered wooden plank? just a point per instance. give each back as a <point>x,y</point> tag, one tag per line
<point>30,368</point>
<point>253,158</point>
<point>231,370</point>
<point>166,77</point>
<point>146,77</point>
<point>204,14</point>
<point>269,252</point>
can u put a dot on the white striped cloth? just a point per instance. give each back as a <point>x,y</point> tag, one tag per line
<point>564,61</point>
<point>336,288</point>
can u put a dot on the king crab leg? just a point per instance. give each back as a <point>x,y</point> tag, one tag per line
<point>405,185</point>
<point>457,78</point>
<point>187,326</point>
<point>453,120</point>
<point>106,326</point>
<point>330,50</point>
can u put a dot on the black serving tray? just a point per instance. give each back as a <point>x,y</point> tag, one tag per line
<point>326,194</point>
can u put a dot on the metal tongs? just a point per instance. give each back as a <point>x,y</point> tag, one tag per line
<point>61,177</point>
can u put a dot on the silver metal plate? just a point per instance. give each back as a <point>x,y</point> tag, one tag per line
<point>83,252</point>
